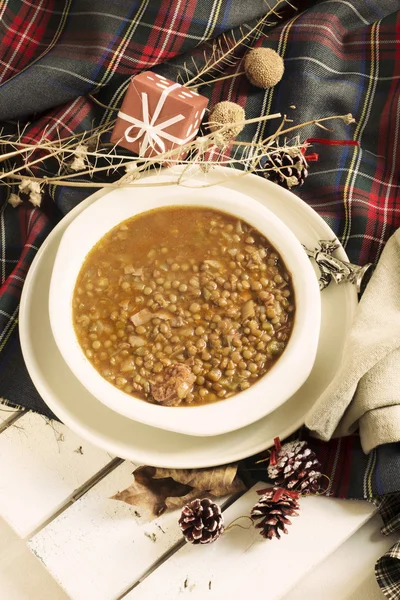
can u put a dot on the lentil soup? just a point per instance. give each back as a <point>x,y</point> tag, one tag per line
<point>183,306</point>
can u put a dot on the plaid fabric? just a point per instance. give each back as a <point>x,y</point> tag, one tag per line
<point>387,568</point>
<point>387,572</point>
<point>341,56</point>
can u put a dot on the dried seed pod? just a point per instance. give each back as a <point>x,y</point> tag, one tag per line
<point>225,113</point>
<point>263,67</point>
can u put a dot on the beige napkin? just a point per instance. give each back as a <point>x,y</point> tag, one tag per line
<point>365,392</point>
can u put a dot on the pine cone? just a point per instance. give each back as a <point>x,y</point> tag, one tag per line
<point>284,169</point>
<point>295,466</point>
<point>274,508</point>
<point>201,521</point>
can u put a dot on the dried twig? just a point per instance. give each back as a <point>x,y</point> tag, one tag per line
<point>221,53</point>
<point>81,157</point>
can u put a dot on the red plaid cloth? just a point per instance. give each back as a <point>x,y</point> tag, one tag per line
<point>340,57</point>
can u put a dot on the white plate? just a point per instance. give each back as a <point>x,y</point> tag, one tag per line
<point>78,409</point>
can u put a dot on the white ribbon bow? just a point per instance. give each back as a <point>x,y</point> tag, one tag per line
<point>153,133</point>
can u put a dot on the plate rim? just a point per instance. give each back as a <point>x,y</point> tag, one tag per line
<point>98,438</point>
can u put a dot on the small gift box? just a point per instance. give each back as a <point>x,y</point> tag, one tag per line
<point>157,115</point>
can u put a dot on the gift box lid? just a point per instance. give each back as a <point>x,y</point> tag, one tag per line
<point>179,100</point>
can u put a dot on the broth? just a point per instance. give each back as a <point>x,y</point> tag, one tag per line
<point>183,306</point>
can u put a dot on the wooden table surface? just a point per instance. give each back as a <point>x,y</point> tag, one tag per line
<point>61,536</point>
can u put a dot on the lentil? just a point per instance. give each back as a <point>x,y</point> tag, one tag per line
<point>197,319</point>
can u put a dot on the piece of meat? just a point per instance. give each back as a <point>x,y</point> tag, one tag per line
<point>247,310</point>
<point>136,341</point>
<point>175,383</point>
<point>178,322</point>
<point>165,315</point>
<point>216,264</point>
<point>130,270</point>
<point>143,316</point>
<point>124,304</point>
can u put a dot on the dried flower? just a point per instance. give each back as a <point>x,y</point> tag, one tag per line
<point>299,165</point>
<point>221,140</point>
<point>202,144</point>
<point>132,173</point>
<point>14,200</point>
<point>80,158</point>
<point>35,198</point>
<point>293,151</point>
<point>263,67</point>
<point>292,181</point>
<point>27,186</point>
<point>348,119</point>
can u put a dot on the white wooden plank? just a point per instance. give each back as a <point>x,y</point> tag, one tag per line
<point>42,463</point>
<point>348,573</point>
<point>98,547</point>
<point>225,568</point>
<point>22,577</point>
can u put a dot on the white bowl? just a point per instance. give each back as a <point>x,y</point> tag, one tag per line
<point>270,391</point>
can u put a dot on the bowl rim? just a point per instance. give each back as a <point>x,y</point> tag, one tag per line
<point>225,415</point>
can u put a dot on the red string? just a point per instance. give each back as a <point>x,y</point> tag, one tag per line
<point>277,444</point>
<point>282,492</point>
<point>272,457</point>
<point>311,157</point>
<point>279,492</point>
<point>332,142</point>
<point>263,491</point>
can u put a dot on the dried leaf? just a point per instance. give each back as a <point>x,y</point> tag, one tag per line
<point>180,501</point>
<point>156,489</point>
<point>216,481</point>
<point>150,494</point>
